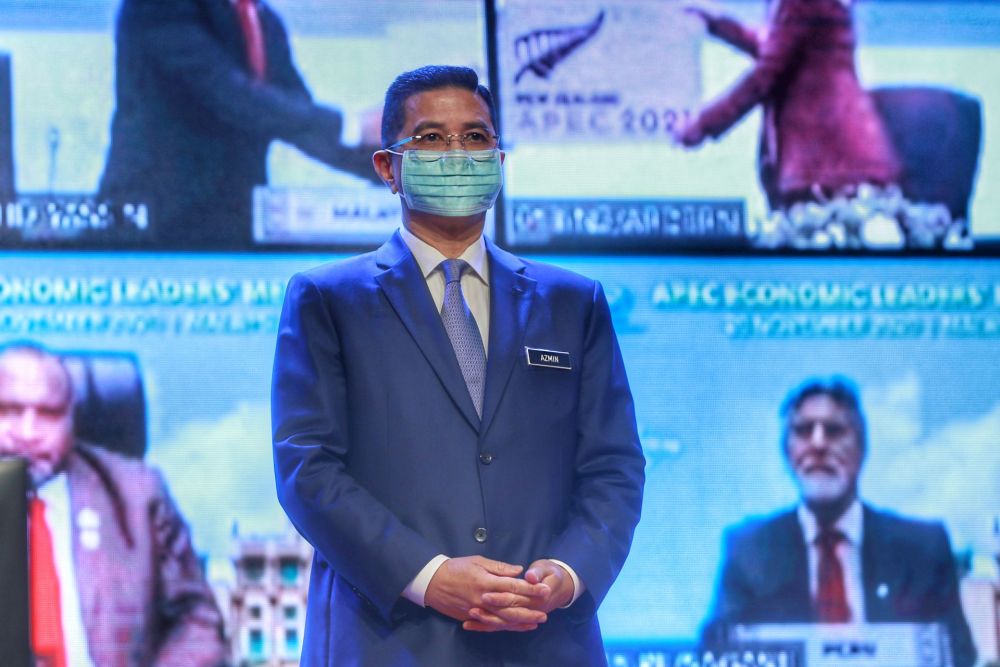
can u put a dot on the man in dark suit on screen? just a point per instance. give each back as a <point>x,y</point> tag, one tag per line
<point>453,429</point>
<point>834,559</point>
<point>202,89</point>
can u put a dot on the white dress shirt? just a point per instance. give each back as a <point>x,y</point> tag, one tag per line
<point>848,551</point>
<point>55,494</point>
<point>475,286</point>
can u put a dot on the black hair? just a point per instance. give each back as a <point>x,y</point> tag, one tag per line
<point>429,77</point>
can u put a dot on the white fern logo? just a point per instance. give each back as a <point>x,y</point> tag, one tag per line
<point>539,51</point>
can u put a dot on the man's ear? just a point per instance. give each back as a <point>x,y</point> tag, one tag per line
<point>382,161</point>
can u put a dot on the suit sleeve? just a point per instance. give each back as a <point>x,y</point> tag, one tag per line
<point>734,33</point>
<point>776,55</point>
<point>607,495</point>
<point>362,539</point>
<point>190,622</point>
<point>178,45</point>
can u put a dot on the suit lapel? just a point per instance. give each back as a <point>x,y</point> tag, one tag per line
<point>91,574</point>
<point>793,568</point>
<point>405,288</point>
<point>511,296</point>
<point>882,578</point>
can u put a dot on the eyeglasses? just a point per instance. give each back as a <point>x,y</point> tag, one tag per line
<point>831,428</point>
<point>435,141</point>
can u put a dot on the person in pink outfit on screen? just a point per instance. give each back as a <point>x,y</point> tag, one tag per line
<point>821,134</point>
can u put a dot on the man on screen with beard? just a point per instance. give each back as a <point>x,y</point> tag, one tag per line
<point>833,558</point>
<point>114,580</point>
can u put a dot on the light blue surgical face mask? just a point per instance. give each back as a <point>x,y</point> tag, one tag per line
<point>451,183</point>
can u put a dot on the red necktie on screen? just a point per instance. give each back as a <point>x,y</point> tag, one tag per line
<point>831,594</point>
<point>253,37</point>
<point>46,614</point>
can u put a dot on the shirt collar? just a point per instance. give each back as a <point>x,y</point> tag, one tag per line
<point>429,258</point>
<point>55,492</point>
<point>850,523</point>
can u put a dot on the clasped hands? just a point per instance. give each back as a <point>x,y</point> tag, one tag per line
<point>488,595</point>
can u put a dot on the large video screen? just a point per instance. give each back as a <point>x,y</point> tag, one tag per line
<point>711,346</point>
<point>139,123</point>
<point>806,125</point>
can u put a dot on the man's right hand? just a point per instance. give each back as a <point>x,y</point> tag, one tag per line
<point>688,130</point>
<point>459,585</point>
<point>706,11</point>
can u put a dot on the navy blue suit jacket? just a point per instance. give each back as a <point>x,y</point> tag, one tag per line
<point>382,462</point>
<point>907,569</point>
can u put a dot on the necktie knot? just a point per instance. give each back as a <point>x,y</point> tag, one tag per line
<point>453,269</point>
<point>829,538</point>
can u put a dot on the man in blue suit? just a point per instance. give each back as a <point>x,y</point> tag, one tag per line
<point>834,559</point>
<point>453,429</point>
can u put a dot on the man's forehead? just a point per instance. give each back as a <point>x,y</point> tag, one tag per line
<point>820,405</point>
<point>446,107</point>
<point>33,377</point>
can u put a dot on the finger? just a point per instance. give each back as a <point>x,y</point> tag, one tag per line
<point>520,605</point>
<point>508,616</point>
<point>517,614</point>
<point>521,587</point>
<point>497,600</point>
<point>544,573</point>
<point>486,617</point>
<point>499,568</point>
<point>539,573</point>
<point>476,626</point>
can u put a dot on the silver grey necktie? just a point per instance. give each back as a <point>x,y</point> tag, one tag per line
<point>463,331</point>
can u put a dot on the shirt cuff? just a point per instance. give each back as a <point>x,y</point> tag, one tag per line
<point>417,589</point>
<point>350,129</point>
<point>578,587</point>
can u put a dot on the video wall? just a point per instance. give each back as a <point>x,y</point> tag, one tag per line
<point>649,125</point>
<point>725,294</point>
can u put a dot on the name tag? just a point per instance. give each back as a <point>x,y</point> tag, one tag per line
<point>548,358</point>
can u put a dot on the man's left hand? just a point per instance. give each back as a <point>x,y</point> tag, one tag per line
<point>688,131</point>
<point>559,593</point>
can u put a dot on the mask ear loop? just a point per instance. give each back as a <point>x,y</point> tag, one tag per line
<point>390,182</point>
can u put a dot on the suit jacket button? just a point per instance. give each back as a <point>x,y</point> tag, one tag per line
<point>486,459</point>
<point>479,535</point>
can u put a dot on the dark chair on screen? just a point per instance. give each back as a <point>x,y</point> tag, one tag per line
<point>110,402</point>
<point>6,131</point>
<point>937,134</point>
